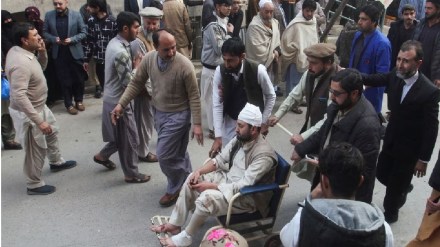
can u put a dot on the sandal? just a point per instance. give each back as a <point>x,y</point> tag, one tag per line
<point>138,179</point>
<point>107,163</point>
<point>296,110</point>
<point>164,228</point>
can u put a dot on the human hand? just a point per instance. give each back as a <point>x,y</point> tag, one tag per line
<point>272,121</point>
<point>264,129</point>
<point>137,60</point>
<point>437,82</point>
<point>86,66</point>
<point>116,113</point>
<point>67,41</point>
<point>276,56</point>
<point>420,169</point>
<point>216,147</point>
<point>42,47</point>
<point>295,156</point>
<point>45,128</point>
<point>202,186</point>
<point>198,133</point>
<point>432,206</point>
<point>230,28</point>
<point>296,139</point>
<point>193,179</point>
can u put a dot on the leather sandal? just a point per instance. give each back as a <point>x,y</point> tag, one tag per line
<point>107,163</point>
<point>138,179</point>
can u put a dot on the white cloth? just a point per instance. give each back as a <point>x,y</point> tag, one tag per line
<point>223,125</point>
<point>289,235</point>
<point>206,78</point>
<point>250,114</point>
<point>263,2</point>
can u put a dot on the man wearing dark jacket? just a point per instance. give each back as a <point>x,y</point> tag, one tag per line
<point>428,32</point>
<point>350,118</point>
<point>412,130</point>
<point>401,31</point>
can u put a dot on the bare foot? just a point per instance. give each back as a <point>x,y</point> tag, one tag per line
<point>172,229</point>
<point>167,242</point>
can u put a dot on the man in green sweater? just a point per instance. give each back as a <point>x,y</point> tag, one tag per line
<point>175,98</point>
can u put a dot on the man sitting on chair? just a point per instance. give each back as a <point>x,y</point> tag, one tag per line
<point>246,160</point>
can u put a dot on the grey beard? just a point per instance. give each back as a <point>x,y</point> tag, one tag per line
<point>148,35</point>
<point>404,76</point>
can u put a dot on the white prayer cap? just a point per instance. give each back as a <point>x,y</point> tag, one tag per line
<point>263,2</point>
<point>251,114</point>
<point>151,12</point>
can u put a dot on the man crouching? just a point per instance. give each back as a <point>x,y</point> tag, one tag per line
<point>246,160</point>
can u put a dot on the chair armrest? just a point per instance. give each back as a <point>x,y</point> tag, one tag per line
<point>258,188</point>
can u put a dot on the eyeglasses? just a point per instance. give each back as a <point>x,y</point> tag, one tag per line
<point>336,93</point>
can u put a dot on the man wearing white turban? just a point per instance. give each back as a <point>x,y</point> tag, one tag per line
<point>246,160</point>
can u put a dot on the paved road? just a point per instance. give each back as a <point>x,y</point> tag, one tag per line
<point>95,207</point>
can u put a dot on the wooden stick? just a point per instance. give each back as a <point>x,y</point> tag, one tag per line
<point>285,129</point>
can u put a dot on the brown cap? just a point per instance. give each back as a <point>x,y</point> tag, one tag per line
<point>151,12</point>
<point>320,50</point>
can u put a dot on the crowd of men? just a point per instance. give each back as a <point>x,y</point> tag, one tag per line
<point>146,79</point>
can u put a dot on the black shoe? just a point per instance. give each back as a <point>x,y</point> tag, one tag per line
<point>12,145</point>
<point>98,92</point>
<point>43,190</point>
<point>391,217</point>
<point>410,188</point>
<point>278,93</point>
<point>66,165</point>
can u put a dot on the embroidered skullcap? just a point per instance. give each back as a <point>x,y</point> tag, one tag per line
<point>263,2</point>
<point>320,50</point>
<point>220,237</point>
<point>151,12</point>
<point>251,114</point>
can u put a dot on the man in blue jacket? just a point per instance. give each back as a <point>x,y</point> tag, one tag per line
<point>371,51</point>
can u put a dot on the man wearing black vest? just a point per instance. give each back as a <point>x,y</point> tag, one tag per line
<point>314,85</point>
<point>331,216</point>
<point>235,83</point>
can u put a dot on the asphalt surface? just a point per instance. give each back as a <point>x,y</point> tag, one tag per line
<point>95,207</point>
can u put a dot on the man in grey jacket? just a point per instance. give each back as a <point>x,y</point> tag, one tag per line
<point>331,215</point>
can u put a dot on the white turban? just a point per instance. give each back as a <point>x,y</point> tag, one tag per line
<point>263,2</point>
<point>251,114</point>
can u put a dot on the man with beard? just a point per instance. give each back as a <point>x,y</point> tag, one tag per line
<point>371,51</point>
<point>314,85</point>
<point>175,98</point>
<point>263,42</point>
<point>412,130</point>
<point>350,118</point>
<point>64,29</point>
<point>428,33</point>
<point>237,82</point>
<point>248,159</point>
<point>299,34</point>
<point>101,29</point>
<point>401,31</point>
<point>121,136</point>
<point>214,35</point>
<point>143,112</point>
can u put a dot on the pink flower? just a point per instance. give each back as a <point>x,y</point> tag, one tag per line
<point>216,234</point>
<point>229,245</point>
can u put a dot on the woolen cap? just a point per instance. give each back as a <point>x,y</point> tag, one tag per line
<point>320,50</point>
<point>151,12</point>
